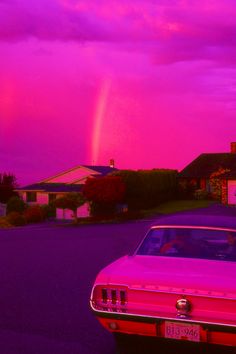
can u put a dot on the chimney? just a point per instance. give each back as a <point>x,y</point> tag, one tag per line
<point>112,161</point>
<point>233,148</point>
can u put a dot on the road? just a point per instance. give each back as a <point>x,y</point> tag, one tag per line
<point>46,275</point>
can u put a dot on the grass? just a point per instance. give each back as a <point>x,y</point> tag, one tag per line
<point>170,207</point>
<point>175,206</point>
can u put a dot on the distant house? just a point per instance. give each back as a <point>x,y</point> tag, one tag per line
<point>71,180</point>
<point>3,208</point>
<point>199,171</point>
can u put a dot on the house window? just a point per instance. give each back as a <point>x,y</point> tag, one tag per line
<point>51,197</point>
<point>31,197</point>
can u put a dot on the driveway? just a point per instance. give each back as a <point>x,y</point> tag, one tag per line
<point>214,209</point>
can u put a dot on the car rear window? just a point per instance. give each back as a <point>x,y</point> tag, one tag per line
<point>190,242</point>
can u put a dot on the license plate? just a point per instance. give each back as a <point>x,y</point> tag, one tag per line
<point>184,331</point>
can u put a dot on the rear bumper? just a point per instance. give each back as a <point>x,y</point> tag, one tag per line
<point>155,327</point>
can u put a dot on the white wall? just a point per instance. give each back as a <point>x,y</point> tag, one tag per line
<point>67,214</point>
<point>232,192</point>
<point>42,198</point>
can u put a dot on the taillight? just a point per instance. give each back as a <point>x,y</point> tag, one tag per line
<point>109,299</point>
<point>113,297</point>
<point>122,297</point>
<point>104,296</point>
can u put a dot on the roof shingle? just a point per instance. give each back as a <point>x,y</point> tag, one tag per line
<point>205,164</point>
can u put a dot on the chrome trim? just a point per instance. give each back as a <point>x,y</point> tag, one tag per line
<point>193,227</point>
<point>118,303</point>
<point>157,317</point>
<point>183,227</point>
<point>180,291</point>
<point>176,319</point>
<point>183,307</point>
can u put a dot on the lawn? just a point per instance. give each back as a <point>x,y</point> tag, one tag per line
<point>178,205</point>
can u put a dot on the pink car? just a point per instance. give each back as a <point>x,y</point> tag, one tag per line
<point>179,284</point>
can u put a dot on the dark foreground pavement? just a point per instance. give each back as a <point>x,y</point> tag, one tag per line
<point>46,275</point>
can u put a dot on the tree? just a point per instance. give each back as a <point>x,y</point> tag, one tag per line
<point>104,193</point>
<point>7,186</point>
<point>15,204</point>
<point>71,201</point>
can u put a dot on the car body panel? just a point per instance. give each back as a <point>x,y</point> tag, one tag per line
<point>142,291</point>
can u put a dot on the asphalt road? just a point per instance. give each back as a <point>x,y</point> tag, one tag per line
<point>46,275</point>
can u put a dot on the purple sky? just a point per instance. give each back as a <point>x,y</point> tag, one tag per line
<point>149,83</point>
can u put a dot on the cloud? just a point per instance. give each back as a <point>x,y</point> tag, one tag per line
<point>169,31</point>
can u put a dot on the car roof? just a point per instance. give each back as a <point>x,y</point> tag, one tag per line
<point>197,220</point>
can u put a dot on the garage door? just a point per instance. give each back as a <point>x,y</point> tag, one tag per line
<point>231,192</point>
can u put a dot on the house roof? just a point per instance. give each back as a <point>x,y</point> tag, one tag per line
<point>51,187</point>
<point>103,170</point>
<point>78,173</point>
<point>68,181</point>
<point>205,164</point>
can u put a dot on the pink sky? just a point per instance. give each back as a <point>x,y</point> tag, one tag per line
<point>149,83</point>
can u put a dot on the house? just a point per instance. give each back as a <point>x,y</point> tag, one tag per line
<point>3,208</point>
<point>200,170</point>
<point>71,180</point>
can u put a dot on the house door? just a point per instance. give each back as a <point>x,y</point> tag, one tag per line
<point>232,192</point>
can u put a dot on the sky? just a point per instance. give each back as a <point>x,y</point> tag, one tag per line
<point>149,83</point>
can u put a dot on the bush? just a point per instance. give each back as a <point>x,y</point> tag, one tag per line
<point>15,204</point>
<point>186,189</point>
<point>48,210</point>
<point>104,193</point>
<point>34,214</point>
<point>102,209</point>
<point>71,201</point>
<point>200,194</point>
<point>16,219</point>
<point>146,189</point>
<point>104,190</point>
<point>4,223</point>
<point>130,215</point>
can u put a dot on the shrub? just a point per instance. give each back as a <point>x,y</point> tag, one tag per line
<point>16,219</point>
<point>145,189</point>
<point>4,223</point>
<point>102,209</point>
<point>104,193</point>
<point>104,190</point>
<point>70,201</point>
<point>130,215</point>
<point>48,210</point>
<point>186,189</point>
<point>33,214</point>
<point>15,204</point>
<point>200,194</point>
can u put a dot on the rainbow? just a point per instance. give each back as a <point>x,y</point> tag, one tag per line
<point>99,116</point>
